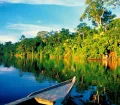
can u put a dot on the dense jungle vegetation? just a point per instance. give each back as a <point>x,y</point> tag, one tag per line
<point>85,42</point>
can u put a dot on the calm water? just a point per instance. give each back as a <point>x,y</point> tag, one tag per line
<point>20,77</point>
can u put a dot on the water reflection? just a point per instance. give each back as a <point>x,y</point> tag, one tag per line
<point>87,72</point>
<point>14,85</point>
<point>110,64</point>
<point>6,69</point>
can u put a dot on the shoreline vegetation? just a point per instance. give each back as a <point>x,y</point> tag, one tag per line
<point>65,44</point>
<point>102,41</point>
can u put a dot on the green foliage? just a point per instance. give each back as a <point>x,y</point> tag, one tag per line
<point>22,37</point>
<point>91,43</point>
<point>97,13</point>
<point>86,42</point>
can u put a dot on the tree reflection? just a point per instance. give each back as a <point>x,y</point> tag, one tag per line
<point>110,64</point>
<point>87,72</point>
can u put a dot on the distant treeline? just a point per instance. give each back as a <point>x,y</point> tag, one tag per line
<point>85,42</point>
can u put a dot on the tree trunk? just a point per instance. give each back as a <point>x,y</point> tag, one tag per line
<point>32,52</point>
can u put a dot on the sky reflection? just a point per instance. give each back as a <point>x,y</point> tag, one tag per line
<point>13,86</point>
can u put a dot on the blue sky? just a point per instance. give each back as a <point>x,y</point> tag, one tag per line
<point>27,17</point>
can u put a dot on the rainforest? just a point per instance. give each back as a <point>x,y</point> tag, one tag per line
<point>86,42</point>
<point>91,53</point>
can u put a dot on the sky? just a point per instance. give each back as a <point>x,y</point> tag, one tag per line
<point>28,17</point>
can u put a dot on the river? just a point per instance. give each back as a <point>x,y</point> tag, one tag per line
<point>20,77</point>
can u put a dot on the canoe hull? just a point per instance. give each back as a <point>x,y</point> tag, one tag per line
<point>54,95</point>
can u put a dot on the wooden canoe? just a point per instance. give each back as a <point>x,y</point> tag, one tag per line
<point>54,95</point>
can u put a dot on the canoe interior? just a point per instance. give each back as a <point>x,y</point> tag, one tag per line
<point>55,94</point>
<point>54,87</point>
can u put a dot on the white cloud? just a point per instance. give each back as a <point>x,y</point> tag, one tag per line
<point>29,27</point>
<point>14,31</point>
<point>31,30</point>
<point>56,2</point>
<point>6,38</point>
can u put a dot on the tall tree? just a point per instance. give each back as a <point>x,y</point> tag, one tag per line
<point>42,35</point>
<point>22,37</point>
<point>82,29</point>
<point>97,13</point>
<point>8,43</point>
<point>64,33</point>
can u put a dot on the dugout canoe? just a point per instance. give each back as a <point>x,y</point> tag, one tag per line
<point>54,95</point>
